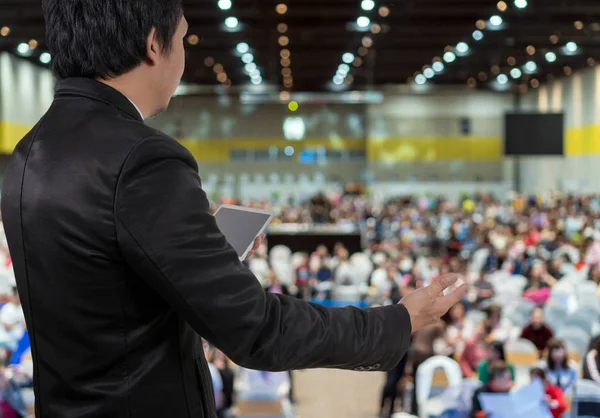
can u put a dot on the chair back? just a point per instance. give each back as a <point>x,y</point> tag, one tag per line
<point>427,370</point>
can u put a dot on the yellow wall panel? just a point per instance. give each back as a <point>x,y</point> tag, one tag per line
<point>10,135</point>
<point>434,149</point>
<point>582,141</point>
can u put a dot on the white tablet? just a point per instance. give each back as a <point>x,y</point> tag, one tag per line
<point>241,226</point>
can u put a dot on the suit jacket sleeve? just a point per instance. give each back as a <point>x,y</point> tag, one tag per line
<point>170,239</point>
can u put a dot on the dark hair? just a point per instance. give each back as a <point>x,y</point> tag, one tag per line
<point>106,38</point>
<point>499,348</point>
<point>537,372</point>
<point>555,344</point>
<point>497,369</point>
<point>493,309</point>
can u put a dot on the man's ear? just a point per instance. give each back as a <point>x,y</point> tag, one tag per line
<point>152,47</point>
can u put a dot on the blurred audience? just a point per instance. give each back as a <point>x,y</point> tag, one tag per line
<point>537,331</point>
<point>555,398</point>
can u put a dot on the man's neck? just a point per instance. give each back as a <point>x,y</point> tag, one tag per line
<point>129,85</point>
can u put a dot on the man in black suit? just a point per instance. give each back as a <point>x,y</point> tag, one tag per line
<point>118,261</point>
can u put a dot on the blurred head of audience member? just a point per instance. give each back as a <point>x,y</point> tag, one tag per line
<point>499,382</point>
<point>537,331</point>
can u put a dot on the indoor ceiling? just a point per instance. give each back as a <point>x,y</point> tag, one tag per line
<point>301,45</point>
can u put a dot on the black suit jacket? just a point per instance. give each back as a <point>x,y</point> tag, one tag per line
<point>120,267</point>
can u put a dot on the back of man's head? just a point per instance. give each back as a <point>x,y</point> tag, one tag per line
<point>103,39</point>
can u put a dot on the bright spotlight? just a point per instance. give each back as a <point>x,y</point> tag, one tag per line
<point>438,67</point>
<point>338,80</point>
<point>247,58</point>
<point>344,68</point>
<point>571,46</point>
<point>256,80</point>
<point>367,5</point>
<point>428,72</point>
<point>515,73</point>
<point>231,22</point>
<point>550,56</point>
<point>449,56</point>
<point>224,4</point>
<point>363,22</point>
<point>478,35</point>
<point>502,79</point>
<point>462,47</point>
<point>242,47</point>
<point>348,57</point>
<point>496,20</point>
<point>23,49</point>
<point>250,67</point>
<point>45,58</point>
<point>531,66</point>
<point>420,79</point>
<point>520,4</point>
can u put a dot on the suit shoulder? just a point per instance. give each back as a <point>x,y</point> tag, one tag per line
<point>158,146</point>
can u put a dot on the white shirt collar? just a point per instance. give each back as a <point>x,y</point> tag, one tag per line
<point>136,108</point>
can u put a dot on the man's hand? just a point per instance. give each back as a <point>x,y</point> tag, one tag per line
<point>427,305</point>
<point>257,243</point>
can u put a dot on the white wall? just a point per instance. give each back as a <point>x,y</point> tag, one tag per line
<point>26,90</point>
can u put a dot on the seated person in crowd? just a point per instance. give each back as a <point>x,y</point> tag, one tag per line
<point>495,353</point>
<point>540,282</point>
<point>475,350</point>
<point>500,382</point>
<point>274,285</point>
<point>458,331</point>
<point>591,365</point>
<point>554,394</point>
<point>537,331</point>
<point>556,366</point>
<point>494,316</point>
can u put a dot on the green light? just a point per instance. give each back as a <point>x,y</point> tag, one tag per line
<point>293,106</point>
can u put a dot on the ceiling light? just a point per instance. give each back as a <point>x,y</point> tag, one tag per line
<point>283,40</point>
<point>367,42</point>
<point>554,39</point>
<point>33,44</point>
<point>437,66</point>
<point>520,4</point>
<point>357,62</point>
<point>242,47</point>
<point>502,79</point>
<point>348,57</point>
<point>338,80</point>
<point>578,24</point>
<point>591,62</point>
<point>496,20</point>
<point>478,35</point>
<point>45,58</point>
<point>462,47</point>
<point>384,11</point>
<point>531,66</point>
<point>375,29</point>
<point>449,56</point>
<point>471,82</point>
<point>530,49</point>
<point>251,67</point>
<point>568,70</point>
<point>209,61</point>
<point>284,53</point>
<point>282,28</point>
<point>511,61</point>
<point>480,24</point>
<point>428,72</point>
<point>224,4</point>
<point>23,48</point>
<point>5,31</point>
<point>231,22</point>
<point>367,4</point>
<point>256,80</point>
<point>571,46</point>
<point>420,79</point>
<point>217,68</point>
<point>535,83</point>
<point>516,73</point>
<point>363,22</point>
<point>343,69</point>
<point>281,9</point>
<point>501,6</point>
<point>193,39</point>
<point>247,58</point>
<point>550,56</point>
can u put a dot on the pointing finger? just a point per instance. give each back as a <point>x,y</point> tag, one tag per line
<point>452,298</point>
<point>441,283</point>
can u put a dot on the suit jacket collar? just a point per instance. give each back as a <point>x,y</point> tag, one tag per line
<point>95,90</point>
